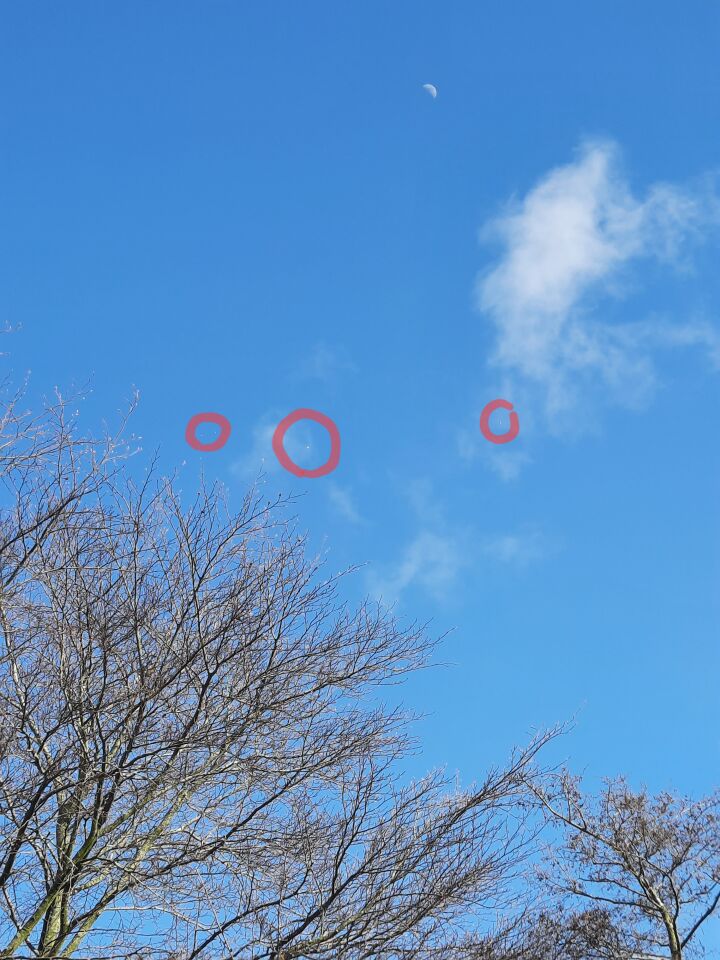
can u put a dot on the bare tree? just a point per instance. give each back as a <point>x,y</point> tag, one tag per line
<point>196,757</point>
<point>554,932</point>
<point>649,865</point>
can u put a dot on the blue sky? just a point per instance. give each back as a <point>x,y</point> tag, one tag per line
<point>249,208</point>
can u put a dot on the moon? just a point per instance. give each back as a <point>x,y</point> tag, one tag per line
<point>431,89</point>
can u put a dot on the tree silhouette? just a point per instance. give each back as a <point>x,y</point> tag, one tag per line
<point>196,756</point>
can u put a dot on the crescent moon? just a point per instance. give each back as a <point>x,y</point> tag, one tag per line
<point>431,89</point>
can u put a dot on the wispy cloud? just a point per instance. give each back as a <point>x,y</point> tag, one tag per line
<point>430,561</point>
<point>343,503</point>
<point>435,562</point>
<point>425,502</point>
<point>517,549</point>
<point>259,457</point>
<point>506,461</point>
<point>570,240</point>
<point>299,442</point>
<point>326,363</point>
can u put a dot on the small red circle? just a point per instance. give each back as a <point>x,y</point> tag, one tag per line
<point>284,426</point>
<point>485,422</point>
<point>195,422</point>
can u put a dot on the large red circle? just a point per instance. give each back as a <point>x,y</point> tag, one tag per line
<point>485,422</point>
<point>284,426</point>
<point>195,422</point>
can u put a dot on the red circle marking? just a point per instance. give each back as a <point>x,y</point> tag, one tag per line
<point>284,426</point>
<point>489,409</point>
<point>195,422</point>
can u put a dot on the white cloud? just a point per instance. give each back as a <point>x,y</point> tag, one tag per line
<point>298,442</point>
<point>506,461</point>
<point>434,562</point>
<point>422,497</point>
<point>659,332</point>
<point>516,549</point>
<point>326,363</point>
<point>260,457</point>
<point>304,443</point>
<point>430,561</point>
<point>571,239</point>
<point>344,503</point>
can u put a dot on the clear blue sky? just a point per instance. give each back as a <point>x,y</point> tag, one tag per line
<point>249,208</point>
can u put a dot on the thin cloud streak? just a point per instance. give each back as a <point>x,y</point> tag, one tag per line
<point>435,562</point>
<point>327,364</point>
<point>430,561</point>
<point>344,504</point>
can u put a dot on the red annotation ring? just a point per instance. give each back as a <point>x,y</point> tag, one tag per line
<point>485,422</point>
<point>284,426</point>
<point>304,413</point>
<point>194,423</point>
